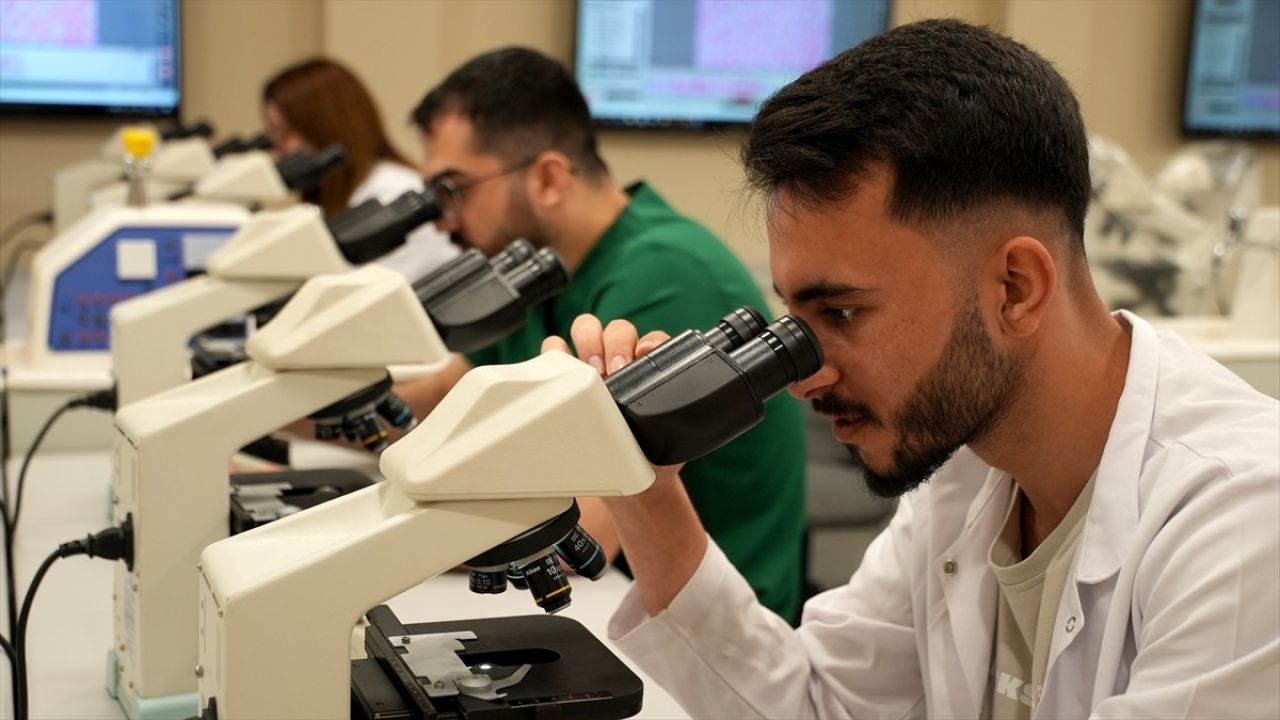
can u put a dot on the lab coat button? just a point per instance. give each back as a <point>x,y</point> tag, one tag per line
<point>1071,623</point>
<point>949,567</point>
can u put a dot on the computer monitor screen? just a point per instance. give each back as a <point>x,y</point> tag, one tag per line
<point>89,56</point>
<point>653,63</point>
<point>1233,74</point>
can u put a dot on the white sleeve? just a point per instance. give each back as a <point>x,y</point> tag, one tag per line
<point>723,655</point>
<point>1206,598</point>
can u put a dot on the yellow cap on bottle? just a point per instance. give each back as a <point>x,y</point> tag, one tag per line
<point>138,141</point>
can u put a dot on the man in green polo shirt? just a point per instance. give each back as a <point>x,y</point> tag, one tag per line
<point>511,154</point>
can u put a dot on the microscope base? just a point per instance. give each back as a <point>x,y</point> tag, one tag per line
<point>571,674</point>
<point>137,707</point>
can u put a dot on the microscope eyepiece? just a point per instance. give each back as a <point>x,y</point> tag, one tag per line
<point>698,391</point>
<point>539,277</point>
<point>779,355</point>
<point>512,257</point>
<point>736,328</point>
<point>303,171</point>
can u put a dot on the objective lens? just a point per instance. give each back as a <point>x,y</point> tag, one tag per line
<point>515,255</point>
<point>582,553</point>
<point>368,432</point>
<point>488,580</point>
<point>781,354</point>
<point>547,582</point>
<point>539,277</point>
<point>516,578</point>
<point>328,428</point>
<point>396,412</point>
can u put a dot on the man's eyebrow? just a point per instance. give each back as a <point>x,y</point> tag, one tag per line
<point>825,290</point>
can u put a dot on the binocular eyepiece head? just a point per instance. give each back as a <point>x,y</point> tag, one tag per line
<point>699,390</point>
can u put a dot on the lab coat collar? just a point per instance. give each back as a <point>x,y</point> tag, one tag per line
<point>1113,512</point>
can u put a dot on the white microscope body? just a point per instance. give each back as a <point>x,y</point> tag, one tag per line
<point>506,450</point>
<point>117,253</point>
<point>334,338</point>
<point>272,255</point>
<point>175,167</point>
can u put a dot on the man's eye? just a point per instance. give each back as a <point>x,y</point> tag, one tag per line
<point>840,315</point>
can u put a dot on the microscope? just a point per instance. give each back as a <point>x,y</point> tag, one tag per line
<point>180,157</point>
<point>178,166</point>
<point>319,357</point>
<point>268,258</point>
<point>114,254</point>
<point>489,480</point>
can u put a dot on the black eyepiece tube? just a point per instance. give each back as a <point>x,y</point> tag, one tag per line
<point>511,257</point>
<point>735,328</point>
<point>691,395</point>
<point>200,128</point>
<point>230,146</point>
<point>781,354</point>
<point>370,230</point>
<point>261,141</point>
<point>538,278</point>
<point>304,171</point>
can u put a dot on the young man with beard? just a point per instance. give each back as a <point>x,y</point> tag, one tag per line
<point>511,153</point>
<point>1088,521</point>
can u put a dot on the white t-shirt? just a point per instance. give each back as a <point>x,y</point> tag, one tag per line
<point>424,249</point>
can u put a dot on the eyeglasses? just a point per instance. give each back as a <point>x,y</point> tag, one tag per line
<point>449,191</point>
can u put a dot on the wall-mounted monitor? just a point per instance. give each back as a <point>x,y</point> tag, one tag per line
<point>1233,70</point>
<point>90,57</point>
<point>695,63</point>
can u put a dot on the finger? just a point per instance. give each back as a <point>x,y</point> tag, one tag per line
<point>588,338</point>
<point>553,343</point>
<point>619,344</point>
<point>650,341</point>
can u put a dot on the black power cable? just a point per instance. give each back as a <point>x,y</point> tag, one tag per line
<point>8,233</point>
<point>114,543</point>
<point>101,400</point>
<point>11,591</point>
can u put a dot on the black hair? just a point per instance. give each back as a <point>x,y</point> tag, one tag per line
<point>518,101</point>
<point>964,117</point>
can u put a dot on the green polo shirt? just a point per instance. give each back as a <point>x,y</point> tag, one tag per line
<point>663,271</point>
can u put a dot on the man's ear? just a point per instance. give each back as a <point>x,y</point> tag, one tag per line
<point>549,178</point>
<point>1026,280</point>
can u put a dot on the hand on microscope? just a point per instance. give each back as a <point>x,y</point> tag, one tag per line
<point>658,529</point>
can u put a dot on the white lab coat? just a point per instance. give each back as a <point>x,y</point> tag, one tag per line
<point>1172,610</point>
<point>424,249</point>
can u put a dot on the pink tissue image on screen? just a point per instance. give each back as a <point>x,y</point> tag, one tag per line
<point>67,23</point>
<point>789,35</point>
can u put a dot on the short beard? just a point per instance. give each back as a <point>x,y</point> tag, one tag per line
<point>962,398</point>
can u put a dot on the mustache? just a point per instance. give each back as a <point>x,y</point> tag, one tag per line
<point>836,406</point>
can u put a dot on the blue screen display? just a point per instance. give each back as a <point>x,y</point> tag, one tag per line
<point>1233,74</point>
<point>691,62</point>
<point>95,55</point>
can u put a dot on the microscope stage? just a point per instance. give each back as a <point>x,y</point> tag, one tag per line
<point>551,667</point>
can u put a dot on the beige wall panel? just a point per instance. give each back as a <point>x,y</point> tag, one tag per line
<point>229,48</point>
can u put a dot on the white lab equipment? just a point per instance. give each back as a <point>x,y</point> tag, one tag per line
<point>489,464</point>
<point>268,258</point>
<point>498,461</point>
<point>333,340</point>
<point>117,253</point>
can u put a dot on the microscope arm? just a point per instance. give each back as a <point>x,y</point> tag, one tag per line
<point>148,347</point>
